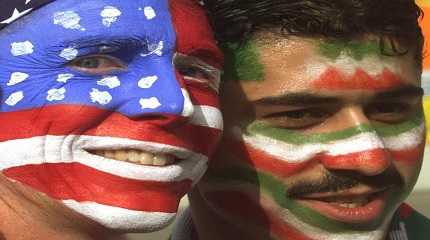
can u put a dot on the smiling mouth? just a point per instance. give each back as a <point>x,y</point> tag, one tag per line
<point>363,208</point>
<point>136,156</point>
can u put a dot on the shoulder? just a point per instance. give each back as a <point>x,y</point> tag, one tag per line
<point>184,227</point>
<point>411,223</point>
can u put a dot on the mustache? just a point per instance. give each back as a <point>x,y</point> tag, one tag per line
<point>334,181</point>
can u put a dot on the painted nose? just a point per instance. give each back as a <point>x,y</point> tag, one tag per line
<point>155,95</point>
<point>372,158</point>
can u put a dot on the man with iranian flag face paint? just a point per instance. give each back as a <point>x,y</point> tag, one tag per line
<point>324,130</point>
<point>108,114</point>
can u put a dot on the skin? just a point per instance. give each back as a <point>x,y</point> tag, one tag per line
<point>314,116</point>
<point>59,174</point>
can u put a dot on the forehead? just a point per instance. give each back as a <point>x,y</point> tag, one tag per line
<point>310,65</point>
<point>65,21</point>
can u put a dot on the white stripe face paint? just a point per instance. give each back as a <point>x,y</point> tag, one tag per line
<point>120,218</point>
<point>361,142</point>
<point>70,149</point>
<point>207,116</point>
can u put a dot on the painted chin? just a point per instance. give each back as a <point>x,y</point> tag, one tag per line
<point>364,210</point>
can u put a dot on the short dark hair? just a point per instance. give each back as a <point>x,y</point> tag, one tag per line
<point>236,20</point>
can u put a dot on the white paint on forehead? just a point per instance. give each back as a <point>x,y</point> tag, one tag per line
<point>56,94</point>
<point>147,82</point>
<point>110,15</point>
<point>69,53</point>
<point>372,65</point>
<point>63,77</point>
<point>154,48</point>
<point>149,103</point>
<point>67,19</point>
<point>16,78</point>
<point>21,48</point>
<point>149,12</point>
<point>110,82</point>
<point>14,98</point>
<point>100,97</point>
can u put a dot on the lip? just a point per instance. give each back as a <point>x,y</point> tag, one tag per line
<point>150,158</point>
<point>365,214</point>
<point>188,165</point>
<point>70,149</point>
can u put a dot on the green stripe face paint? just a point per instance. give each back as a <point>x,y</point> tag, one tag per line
<point>295,137</point>
<point>354,49</point>
<point>242,62</point>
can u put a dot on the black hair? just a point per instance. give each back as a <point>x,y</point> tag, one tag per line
<point>237,20</point>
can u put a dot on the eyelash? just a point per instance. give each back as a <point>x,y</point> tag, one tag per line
<point>184,64</point>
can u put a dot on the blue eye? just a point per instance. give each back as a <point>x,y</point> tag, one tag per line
<point>97,64</point>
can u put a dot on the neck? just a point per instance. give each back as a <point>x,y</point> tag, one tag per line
<point>26,214</point>
<point>210,225</point>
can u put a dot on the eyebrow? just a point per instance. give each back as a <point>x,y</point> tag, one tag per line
<point>100,40</point>
<point>296,99</point>
<point>405,91</point>
<point>300,99</point>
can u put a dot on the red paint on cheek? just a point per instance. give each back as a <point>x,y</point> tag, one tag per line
<point>194,34</point>
<point>333,79</point>
<point>410,156</point>
<point>65,181</point>
<point>263,161</point>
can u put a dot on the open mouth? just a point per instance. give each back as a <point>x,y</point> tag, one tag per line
<point>349,208</point>
<point>136,156</point>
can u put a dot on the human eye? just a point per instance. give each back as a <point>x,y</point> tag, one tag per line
<point>195,71</point>
<point>97,64</point>
<point>390,112</point>
<point>297,118</point>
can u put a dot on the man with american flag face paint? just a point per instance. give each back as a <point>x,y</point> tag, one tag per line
<point>108,114</point>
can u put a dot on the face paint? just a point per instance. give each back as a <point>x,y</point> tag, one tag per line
<point>242,62</point>
<point>122,146</point>
<point>317,162</point>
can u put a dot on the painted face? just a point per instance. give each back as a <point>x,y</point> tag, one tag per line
<point>110,106</point>
<point>324,139</point>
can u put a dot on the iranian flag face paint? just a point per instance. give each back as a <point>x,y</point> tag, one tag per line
<point>110,106</point>
<point>324,139</point>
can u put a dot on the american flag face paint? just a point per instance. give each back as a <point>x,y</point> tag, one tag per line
<point>324,146</point>
<point>110,106</point>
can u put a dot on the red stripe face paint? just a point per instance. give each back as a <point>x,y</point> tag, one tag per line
<point>333,79</point>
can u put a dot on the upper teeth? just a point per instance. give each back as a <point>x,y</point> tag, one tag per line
<point>349,202</point>
<point>136,156</point>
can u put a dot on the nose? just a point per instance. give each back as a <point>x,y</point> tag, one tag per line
<point>153,95</point>
<point>372,158</point>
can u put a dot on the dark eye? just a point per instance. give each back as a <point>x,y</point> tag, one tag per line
<point>297,119</point>
<point>389,112</point>
<point>97,64</point>
<point>196,71</point>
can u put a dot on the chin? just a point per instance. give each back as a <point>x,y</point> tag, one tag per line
<point>122,220</point>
